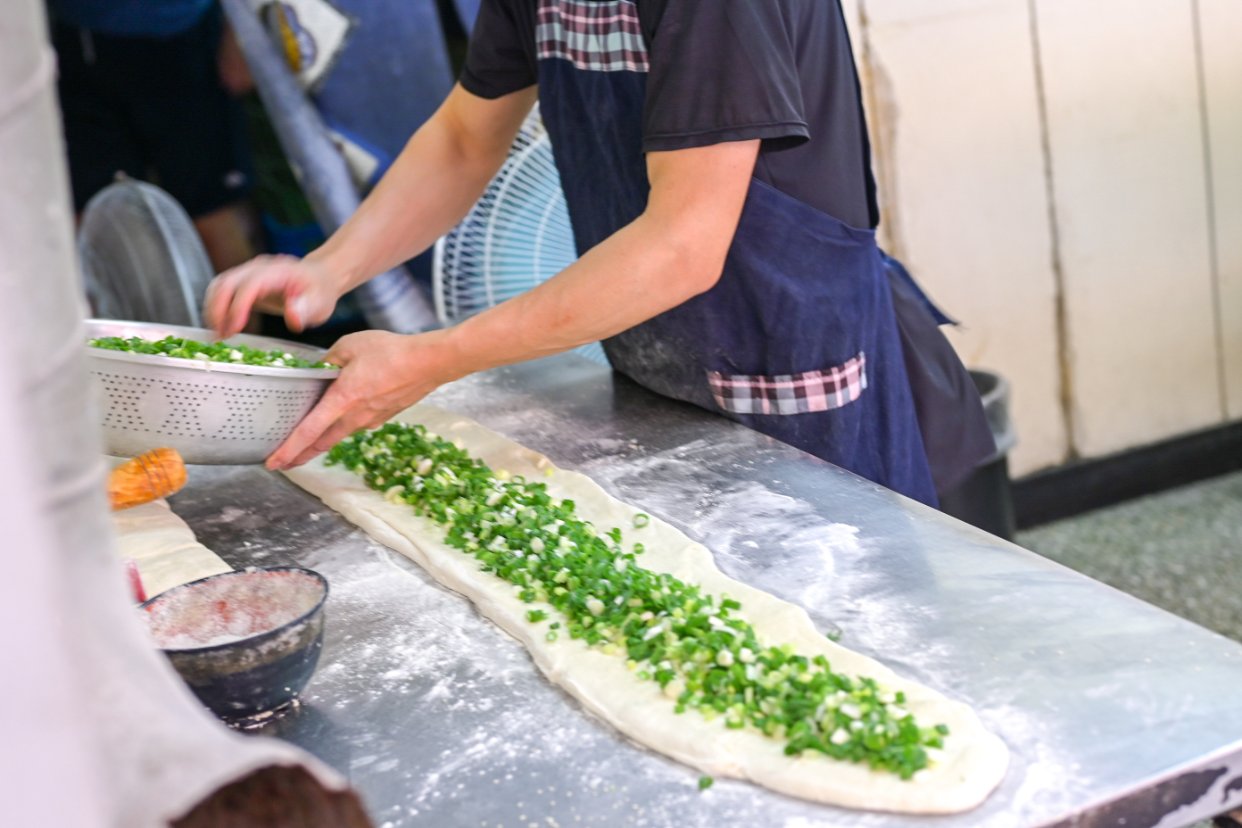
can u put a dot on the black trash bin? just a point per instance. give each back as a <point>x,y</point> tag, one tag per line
<point>984,498</point>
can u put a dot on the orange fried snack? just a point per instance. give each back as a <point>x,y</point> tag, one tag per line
<point>149,476</point>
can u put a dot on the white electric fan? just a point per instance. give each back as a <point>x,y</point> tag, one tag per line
<point>141,257</point>
<point>516,236</point>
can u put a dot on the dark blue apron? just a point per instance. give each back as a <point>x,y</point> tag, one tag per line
<point>798,339</point>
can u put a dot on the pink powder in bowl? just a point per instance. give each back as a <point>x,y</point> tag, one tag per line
<point>232,607</point>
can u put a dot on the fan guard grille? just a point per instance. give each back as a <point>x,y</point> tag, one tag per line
<point>515,237</point>
<point>141,257</point>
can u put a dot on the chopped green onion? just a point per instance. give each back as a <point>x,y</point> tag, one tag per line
<point>698,647</point>
<point>641,520</point>
<point>181,348</point>
<point>705,782</point>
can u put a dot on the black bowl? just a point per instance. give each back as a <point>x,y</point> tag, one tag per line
<point>246,642</point>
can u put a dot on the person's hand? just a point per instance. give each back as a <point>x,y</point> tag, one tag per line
<point>300,289</point>
<point>381,374</point>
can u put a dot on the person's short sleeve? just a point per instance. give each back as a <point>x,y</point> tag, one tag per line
<point>723,70</point>
<point>501,55</point>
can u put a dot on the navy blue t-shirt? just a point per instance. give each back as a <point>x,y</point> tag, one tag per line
<point>726,70</point>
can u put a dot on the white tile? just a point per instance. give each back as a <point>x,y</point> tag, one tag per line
<point>1128,171</point>
<point>1221,26</point>
<point>851,11</point>
<point>955,116</point>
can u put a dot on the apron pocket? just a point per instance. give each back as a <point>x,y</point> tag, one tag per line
<point>802,393</point>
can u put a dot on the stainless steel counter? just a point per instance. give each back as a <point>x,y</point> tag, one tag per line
<point>1116,713</point>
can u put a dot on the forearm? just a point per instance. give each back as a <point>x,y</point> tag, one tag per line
<point>675,250</point>
<point>633,276</point>
<point>435,180</point>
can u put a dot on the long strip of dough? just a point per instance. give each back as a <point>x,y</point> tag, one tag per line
<point>971,765</point>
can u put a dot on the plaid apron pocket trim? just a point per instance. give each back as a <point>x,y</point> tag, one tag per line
<point>593,36</point>
<point>803,393</point>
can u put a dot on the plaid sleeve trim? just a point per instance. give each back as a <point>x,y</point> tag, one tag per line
<point>791,393</point>
<point>593,36</point>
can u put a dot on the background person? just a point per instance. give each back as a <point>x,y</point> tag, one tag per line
<point>143,92</point>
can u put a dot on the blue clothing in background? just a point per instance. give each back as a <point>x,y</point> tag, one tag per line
<point>131,18</point>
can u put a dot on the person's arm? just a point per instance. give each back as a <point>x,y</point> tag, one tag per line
<point>433,183</point>
<point>675,250</point>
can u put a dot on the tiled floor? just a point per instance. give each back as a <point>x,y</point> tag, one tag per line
<point>1180,550</point>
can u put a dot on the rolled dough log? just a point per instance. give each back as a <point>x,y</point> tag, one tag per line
<point>973,761</point>
<point>164,547</point>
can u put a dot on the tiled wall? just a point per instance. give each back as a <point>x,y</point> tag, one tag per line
<point>1221,39</point>
<point>1066,178</point>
